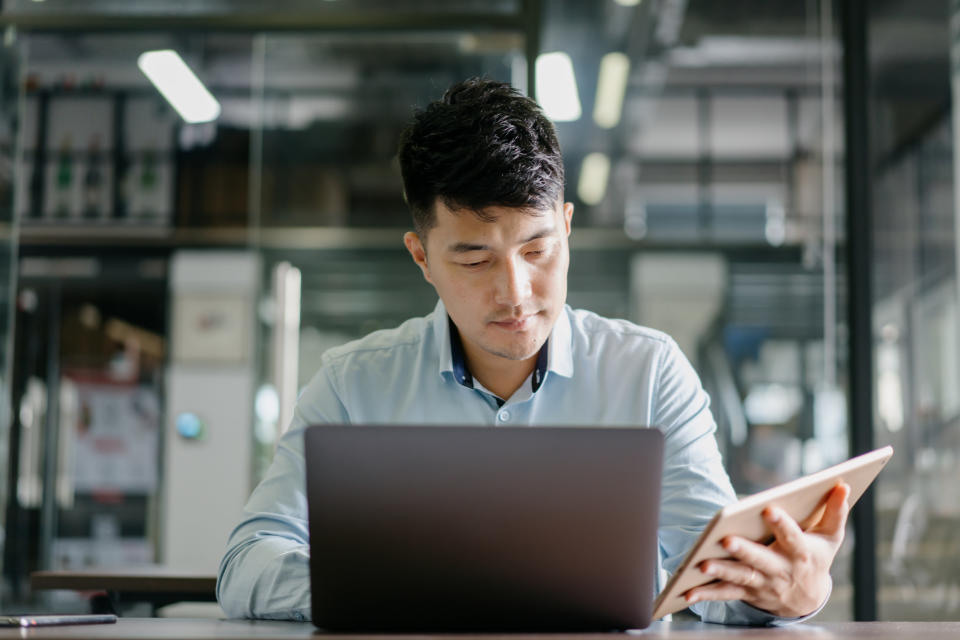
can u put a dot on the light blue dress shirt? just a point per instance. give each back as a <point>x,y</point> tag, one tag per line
<point>597,372</point>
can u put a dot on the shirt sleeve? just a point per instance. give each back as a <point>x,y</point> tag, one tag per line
<point>695,483</point>
<point>265,571</point>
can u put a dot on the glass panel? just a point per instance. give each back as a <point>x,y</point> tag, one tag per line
<point>110,172</point>
<point>916,320</point>
<point>330,191</point>
<point>333,106</point>
<point>10,66</point>
<point>717,222</point>
<point>726,181</point>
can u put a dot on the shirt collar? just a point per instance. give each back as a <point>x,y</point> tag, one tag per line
<point>441,329</point>
<point>457,358</point>
<point>555,356</point>
<point>561,345</point>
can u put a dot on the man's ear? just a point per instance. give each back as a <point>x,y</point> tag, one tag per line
<point>418,252</point>
<point>567,215</point>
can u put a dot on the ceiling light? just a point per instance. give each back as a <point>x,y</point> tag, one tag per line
<point>611,87</point>
<point>594,173</point>
<point>627,3</point>
<point>557,87</point>
<point>179,85</point>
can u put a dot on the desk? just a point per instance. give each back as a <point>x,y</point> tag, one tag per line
<point>204,629</point>
<point>154,584</point>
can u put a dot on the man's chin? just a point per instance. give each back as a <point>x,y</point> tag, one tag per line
<point>517,356</point>
<point>520,345</point>
<point>516,351</point>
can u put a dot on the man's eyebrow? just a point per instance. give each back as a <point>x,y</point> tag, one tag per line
<point>542,233</point>
<point>464,247</point>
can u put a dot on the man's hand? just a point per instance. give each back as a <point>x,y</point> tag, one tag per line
<point>790,577</point>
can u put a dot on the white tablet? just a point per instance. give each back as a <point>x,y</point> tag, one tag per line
<point>803,499</point>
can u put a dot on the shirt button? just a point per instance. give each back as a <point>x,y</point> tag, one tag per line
<point>504,416</point>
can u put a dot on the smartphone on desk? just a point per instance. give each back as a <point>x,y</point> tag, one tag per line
<point>57,619</point>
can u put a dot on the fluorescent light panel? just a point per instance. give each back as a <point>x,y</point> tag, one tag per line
<point>179,85</point>
<point>594,173</point>
<point>557,87</point>
<point>611,87</point>
<point>627,3</point>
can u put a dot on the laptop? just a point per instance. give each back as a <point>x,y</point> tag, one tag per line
<point>421,529</point>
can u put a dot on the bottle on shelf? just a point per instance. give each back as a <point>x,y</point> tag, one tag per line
<point>148,184</point>
<point>93,182</point>
<point>64,179</point>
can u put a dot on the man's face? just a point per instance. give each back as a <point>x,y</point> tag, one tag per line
<point>503,282</point>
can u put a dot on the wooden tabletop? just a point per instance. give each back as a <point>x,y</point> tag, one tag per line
<point>205,629</point>
<point>143,579</point>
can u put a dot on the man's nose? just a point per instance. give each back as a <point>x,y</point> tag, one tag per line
<point>513,284</point>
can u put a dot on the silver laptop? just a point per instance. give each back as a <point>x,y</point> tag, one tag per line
<point>482,528</point>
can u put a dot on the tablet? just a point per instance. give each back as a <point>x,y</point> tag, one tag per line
<point>56,619</point>
<point>803,499</point>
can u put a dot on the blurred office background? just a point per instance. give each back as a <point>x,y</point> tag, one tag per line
<point>771,181</point>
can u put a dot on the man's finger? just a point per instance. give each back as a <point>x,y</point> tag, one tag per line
<point>785,529</point>
<point>835,514</point>
<point>716,591</point>
<point>735,572</point>
<point>755,555</point>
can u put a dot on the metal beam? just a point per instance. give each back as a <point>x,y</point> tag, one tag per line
<point>859,258</point>
<point>281,21</point>
<point>532,28</point>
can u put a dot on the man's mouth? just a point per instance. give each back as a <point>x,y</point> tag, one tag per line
<point>514,324</point>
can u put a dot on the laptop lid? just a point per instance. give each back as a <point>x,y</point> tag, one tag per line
<point>482,528</point>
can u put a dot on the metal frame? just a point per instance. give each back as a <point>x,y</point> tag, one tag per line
<point>257,21</point>
<point>854,16</point>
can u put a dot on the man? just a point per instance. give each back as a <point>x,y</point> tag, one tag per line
<point>483,177</point>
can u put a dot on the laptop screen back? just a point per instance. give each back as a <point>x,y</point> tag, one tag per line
<point>482,528</point>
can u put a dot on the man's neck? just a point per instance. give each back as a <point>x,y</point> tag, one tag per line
<point>500,375</point>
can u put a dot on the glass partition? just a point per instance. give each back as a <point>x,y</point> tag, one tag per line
<point>716,218</point>
<point>10,102</point>
<point>706,200</point>
<point>327,190</point>
<point>915,316</point>
<point>108,176</point>
<point>721,211</point>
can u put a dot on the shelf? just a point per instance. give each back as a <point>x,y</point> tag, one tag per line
<point>317,238</point>
<point>31,233</point>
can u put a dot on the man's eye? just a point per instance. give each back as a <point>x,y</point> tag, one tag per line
<point>473,265</point>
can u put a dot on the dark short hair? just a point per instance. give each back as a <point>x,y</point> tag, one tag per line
<point>483,144</point>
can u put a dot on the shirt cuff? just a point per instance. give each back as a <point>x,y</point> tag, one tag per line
<point>761,617</point>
